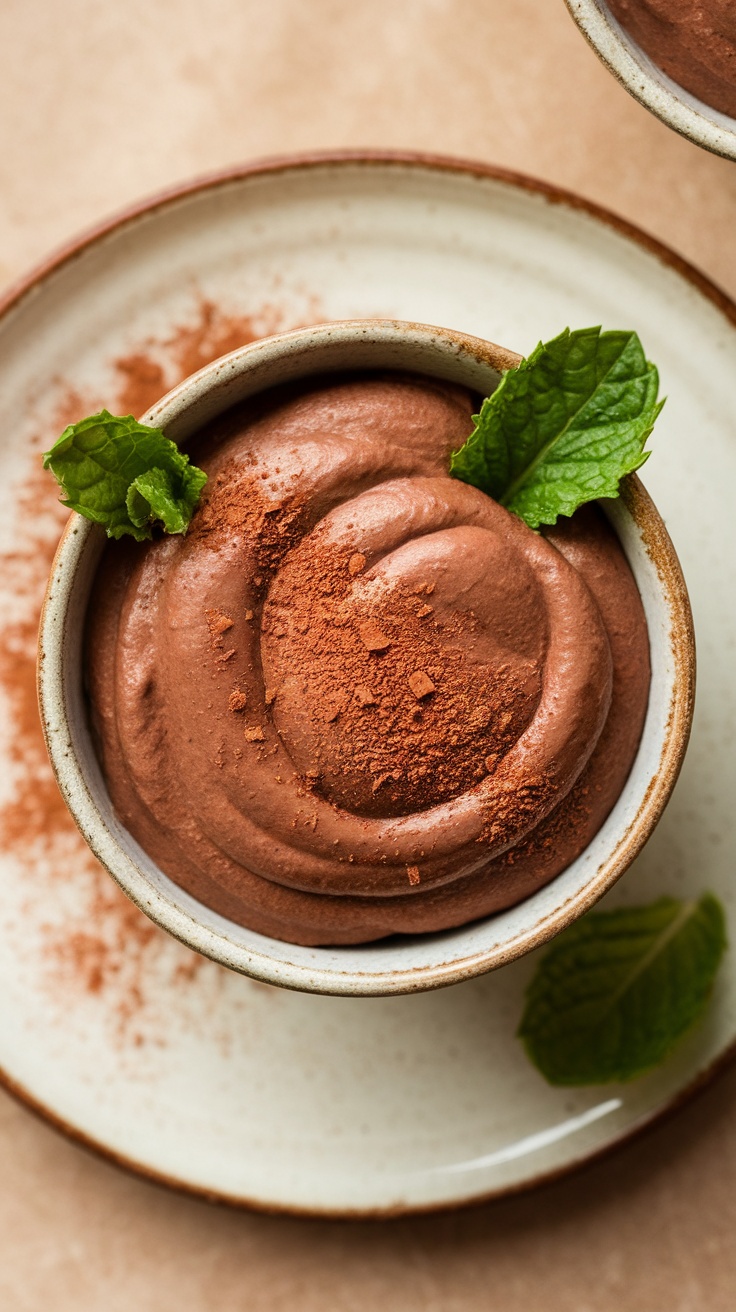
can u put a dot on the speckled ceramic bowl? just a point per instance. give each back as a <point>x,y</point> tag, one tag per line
<point>676,107</point>
<point>398,965</point>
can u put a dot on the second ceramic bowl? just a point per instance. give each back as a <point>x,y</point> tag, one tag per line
<point>649,84</point>
<point>399,965</point>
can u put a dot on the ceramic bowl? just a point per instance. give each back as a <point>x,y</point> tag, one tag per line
<point>678,108</point>
<point>401,964</point>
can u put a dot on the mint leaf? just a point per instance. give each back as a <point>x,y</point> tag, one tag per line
<point>125,476</point>
<point>153,496</point>
<point>564,427</point>
<point>617,991</point>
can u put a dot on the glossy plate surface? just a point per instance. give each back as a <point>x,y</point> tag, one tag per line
<point>175,1066</point>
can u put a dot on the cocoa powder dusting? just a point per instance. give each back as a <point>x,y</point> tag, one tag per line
<point>217,623</point>
<point>235,501</point>
<point>571,817</point>
<point>142,383</point>
<point>104,946</point>
<point>421,684</point>
<point>147,373</point>
<point>400,720</point>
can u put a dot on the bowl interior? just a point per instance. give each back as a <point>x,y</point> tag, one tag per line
<point>649,84</point>
<point>395,965</point>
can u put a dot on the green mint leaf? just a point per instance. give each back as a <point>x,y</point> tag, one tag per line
<point>154,496</point>
<point>564,427</point>
<point>125,476</point>
<point>617,990</point>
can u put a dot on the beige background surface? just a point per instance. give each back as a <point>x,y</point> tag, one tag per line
<point>100,102</point>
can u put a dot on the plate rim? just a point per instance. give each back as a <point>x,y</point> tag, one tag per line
<point>65,254</point>
<point>121,218</point>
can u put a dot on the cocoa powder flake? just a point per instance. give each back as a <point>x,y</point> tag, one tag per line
<point>421,684</point>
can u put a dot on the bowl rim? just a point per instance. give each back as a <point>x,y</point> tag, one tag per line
<point>356,981</point>
<point>679,108</point>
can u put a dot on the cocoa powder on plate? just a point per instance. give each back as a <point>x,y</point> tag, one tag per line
<point>102,946</point>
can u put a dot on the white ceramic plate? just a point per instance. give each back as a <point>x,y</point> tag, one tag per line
<point>648,84</point>
<point>168,1063</point>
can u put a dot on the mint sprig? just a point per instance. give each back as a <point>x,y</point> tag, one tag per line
<point>617,991</point>
<point>124,475</point>
<point>564,427</point>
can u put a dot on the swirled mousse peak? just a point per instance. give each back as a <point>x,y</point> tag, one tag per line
<point>359,697</point>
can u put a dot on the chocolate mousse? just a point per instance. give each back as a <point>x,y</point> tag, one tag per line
<point>693,41</point>
<point>359,697</point>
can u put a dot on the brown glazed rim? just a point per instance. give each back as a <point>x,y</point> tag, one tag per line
<point>380,159</point>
